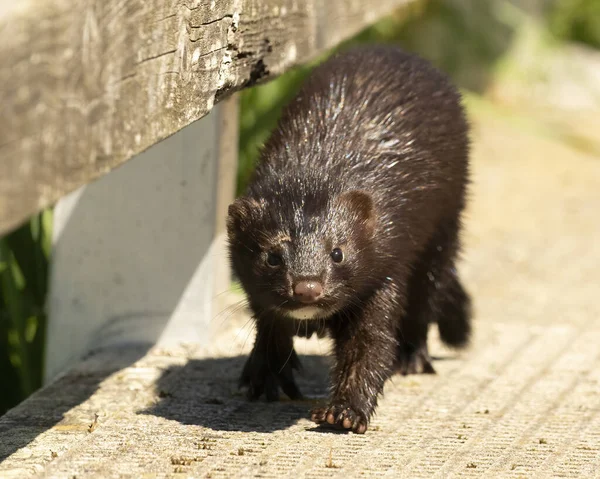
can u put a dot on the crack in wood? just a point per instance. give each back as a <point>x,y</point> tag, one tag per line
<point>203,24</point>
<point>166,18</point>
<point>122,79</point>
<point>147,59</point>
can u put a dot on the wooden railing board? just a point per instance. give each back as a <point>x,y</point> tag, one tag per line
<point>87,85</point>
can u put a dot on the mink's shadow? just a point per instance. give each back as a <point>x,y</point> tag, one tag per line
<point>204,392</point>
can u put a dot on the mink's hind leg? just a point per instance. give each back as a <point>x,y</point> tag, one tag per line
<point>435,296</point>
<point>272,361</point>
<point>414,359</point>
<point>412,355</point>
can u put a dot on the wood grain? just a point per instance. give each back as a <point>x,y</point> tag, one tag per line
<point>86,85</point>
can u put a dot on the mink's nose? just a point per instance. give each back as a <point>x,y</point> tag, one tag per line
<point>308,291</point>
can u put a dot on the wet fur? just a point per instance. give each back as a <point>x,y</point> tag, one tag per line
<point>372,154</point>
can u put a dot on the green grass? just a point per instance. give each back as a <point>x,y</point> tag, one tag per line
<point>576,21</point>
<point>24,259</point>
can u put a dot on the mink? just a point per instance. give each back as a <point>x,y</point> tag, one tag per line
<point>350,227</point>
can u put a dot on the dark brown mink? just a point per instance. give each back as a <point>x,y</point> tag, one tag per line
<point>350,227</point>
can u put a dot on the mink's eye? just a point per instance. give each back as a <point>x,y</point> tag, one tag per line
<point>337,255</point>
<point>274,260</point>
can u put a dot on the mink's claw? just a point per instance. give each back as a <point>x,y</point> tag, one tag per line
<point>340,416</point>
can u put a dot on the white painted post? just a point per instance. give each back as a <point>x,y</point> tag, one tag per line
<point>139,255</point>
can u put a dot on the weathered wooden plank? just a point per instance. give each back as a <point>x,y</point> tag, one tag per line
<point>87,85</point>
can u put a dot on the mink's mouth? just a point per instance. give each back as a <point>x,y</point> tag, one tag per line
<point>307,312</point>
<point>292,308</point>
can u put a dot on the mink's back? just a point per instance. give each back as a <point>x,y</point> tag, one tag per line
<point>379,119</point>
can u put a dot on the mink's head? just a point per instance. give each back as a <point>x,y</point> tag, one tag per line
<point>305,258</point>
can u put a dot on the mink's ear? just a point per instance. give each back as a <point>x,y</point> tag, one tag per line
<point>359,204</point>
<point>242,212</point>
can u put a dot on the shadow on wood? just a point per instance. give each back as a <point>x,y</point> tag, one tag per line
<point>204,392</point>
<point>63,405</point>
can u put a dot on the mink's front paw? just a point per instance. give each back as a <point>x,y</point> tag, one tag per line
<point>266,374</point>
<point>341,416</point>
